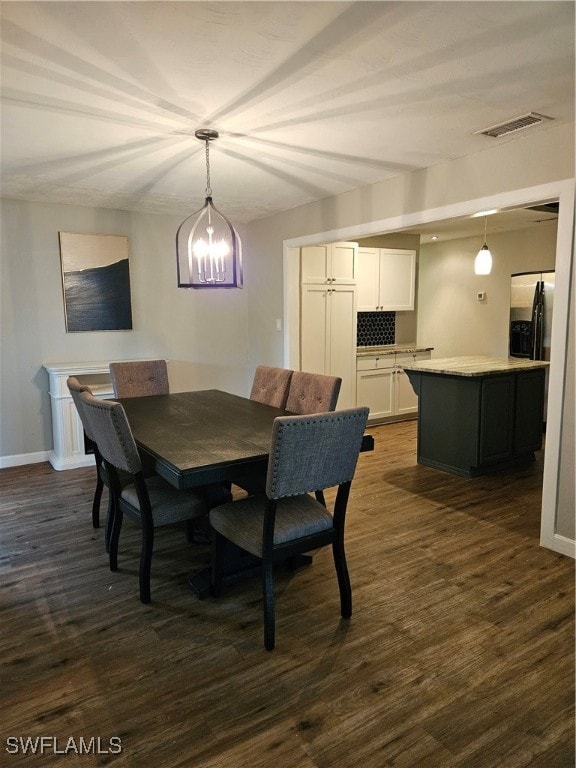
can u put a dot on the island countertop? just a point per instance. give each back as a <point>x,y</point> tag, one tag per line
<point>475,365</point>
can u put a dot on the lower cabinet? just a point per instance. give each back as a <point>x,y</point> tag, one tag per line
<point>375,388</point>
<point>384,387</point>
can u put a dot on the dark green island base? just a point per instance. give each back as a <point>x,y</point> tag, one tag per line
<point>478,414</point>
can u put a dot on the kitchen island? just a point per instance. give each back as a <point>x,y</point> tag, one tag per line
<point>478,414</point>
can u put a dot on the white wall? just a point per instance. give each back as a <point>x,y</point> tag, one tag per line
<point>202,332</point>
<point>450,318</point>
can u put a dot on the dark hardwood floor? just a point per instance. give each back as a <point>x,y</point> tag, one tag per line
<point>459,654</point>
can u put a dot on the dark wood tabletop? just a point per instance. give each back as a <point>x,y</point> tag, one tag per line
<point>197,438</point>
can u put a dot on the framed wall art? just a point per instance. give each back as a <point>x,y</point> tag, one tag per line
<point>96,282</point>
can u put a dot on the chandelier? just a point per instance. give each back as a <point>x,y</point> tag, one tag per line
<point>208,248</point>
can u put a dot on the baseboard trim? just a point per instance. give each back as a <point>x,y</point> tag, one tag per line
<point>561,544</point>
<point>20,459</point>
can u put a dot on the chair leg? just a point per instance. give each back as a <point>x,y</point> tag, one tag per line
<point>268,599</point>
<point>117,516</point>
<point>96,501</point>
<point>109,523</point>
<point>343,579</point>
<point>146,562</point>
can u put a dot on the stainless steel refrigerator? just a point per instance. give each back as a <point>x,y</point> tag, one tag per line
<point>531,306</point>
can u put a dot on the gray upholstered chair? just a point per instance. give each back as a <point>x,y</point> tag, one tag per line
<point>149,502</point>
<point>270,385</point>
<point>139,378</point>
<point>76,388</point>
<point>312,392</point>
<point>308,453</point>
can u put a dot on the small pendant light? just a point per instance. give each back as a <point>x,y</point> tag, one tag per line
<point>483,260</point>
<point>208,248</point>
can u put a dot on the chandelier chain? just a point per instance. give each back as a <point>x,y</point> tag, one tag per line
<point>208,187</point>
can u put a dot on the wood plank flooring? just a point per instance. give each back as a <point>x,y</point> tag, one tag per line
<point>459,654</point>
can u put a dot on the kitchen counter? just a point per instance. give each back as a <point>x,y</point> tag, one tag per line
<point>477,365</point>
<point>391,349</point>
<point>478,414</point>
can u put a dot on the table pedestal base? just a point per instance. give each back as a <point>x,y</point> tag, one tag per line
<point>242,565</point>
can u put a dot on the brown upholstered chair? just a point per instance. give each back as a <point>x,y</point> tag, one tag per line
<point>150,502</point>
<point>312,392</point>
<point>139,378</point>
<point>270,385</point>
<point>308,453</point>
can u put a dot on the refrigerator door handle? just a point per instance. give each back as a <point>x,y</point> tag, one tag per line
<point>537,320</point>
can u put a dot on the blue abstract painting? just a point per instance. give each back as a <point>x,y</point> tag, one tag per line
<point>96,280</point>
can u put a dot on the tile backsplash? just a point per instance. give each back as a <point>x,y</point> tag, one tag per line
<point>376,328</point>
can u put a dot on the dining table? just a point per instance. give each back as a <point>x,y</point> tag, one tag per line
<point>210,439</point>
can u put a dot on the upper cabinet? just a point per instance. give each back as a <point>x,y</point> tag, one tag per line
<point>332,264</point>
<point>386,279</point>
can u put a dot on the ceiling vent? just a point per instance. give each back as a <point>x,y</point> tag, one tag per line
<point>517,124</point>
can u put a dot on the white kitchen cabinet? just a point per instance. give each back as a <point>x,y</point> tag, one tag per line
<point>329,264</point>
<point>384,387</point>
<point>375,385</point>
<point>386,279</point>
<point>328,335</point>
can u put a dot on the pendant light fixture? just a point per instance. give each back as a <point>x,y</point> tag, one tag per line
<point>483,260</point>
<point>208,248</point>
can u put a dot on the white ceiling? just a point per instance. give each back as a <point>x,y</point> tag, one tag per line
<point>100,100</point>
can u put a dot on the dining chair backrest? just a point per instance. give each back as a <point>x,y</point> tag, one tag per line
<point>76,388</point>
<point>314,451</point>
<point>312,393</point>
<point>109,425</point>
<point>139,378</point>
<point>270,385</point>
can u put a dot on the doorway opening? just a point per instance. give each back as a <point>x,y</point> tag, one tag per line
<point>563,191</point>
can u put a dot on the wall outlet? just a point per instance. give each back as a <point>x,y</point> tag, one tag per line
<point>481,295</point>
